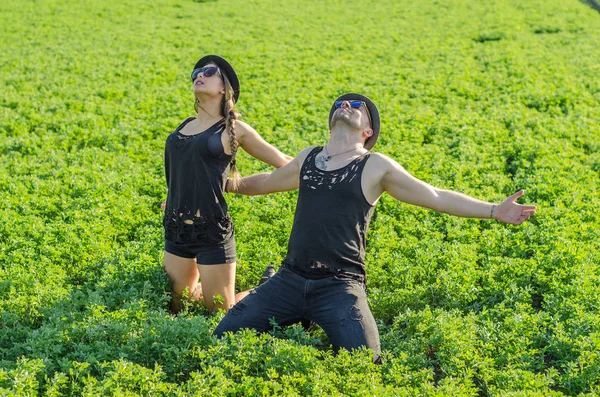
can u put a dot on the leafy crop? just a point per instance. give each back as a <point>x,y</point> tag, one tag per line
<point>481,97</point>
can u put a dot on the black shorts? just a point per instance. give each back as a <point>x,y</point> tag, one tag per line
<point>205,254</point>
<point>210,241</point>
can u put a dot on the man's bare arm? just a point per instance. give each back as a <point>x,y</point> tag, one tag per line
<point>405,187</point>
<point>281,180</point>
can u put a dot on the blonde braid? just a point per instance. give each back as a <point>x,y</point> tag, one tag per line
<point>230,117</point>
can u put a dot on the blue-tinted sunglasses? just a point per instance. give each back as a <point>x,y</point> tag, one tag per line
<point>356,105</point>
<point>353,104</point>
<point>207,71</point>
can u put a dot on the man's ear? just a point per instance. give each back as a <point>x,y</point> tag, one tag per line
<point>367,133</point>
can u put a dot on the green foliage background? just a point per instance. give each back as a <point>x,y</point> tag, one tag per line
<point>481,97</point>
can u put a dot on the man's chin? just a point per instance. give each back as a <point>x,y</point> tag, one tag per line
<point>343,119</point>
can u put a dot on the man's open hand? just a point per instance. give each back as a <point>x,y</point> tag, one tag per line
<point>511,212</point>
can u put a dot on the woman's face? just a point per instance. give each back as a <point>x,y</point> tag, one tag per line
<point>212,86</point>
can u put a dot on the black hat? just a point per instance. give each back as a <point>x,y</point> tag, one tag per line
<point>374,113</point>
<point>226,68</point>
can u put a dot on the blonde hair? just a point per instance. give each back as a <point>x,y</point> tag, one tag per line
<point>230,115</point>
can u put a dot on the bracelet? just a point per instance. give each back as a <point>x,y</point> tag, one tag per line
<point>492,211</point>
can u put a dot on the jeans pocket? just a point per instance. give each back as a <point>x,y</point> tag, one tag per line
<point>349,277</point>
<point>354,283</point>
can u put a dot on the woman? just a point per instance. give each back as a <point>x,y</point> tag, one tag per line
<point>199,155</point>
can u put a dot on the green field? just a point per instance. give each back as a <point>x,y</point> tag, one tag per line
<point>477,96</point>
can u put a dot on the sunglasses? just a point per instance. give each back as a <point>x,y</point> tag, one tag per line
<point>353,104</point>
<point>356,105</point>
<point>207,71</point>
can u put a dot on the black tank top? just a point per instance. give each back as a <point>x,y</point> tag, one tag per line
<point>196,168</point>
<point>331,221</point>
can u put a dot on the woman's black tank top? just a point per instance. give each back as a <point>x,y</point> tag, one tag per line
<point>196,168</point>
<point>331,221</point>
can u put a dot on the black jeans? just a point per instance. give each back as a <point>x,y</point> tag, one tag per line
<point>337,304</point>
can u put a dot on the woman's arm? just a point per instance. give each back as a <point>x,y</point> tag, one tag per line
<point>258,148</point>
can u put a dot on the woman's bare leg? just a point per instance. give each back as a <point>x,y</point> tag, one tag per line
<point>218,280</point>
<point>241,295</point>
<point>215,280</point>
<point>183,273</point>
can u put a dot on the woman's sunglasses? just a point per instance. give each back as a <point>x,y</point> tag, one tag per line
<point>356,105</point>
<point>206,71</point>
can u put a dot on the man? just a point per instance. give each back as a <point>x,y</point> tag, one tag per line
<point>323,274</point>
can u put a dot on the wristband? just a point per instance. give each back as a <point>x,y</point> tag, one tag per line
<point>492,211</point>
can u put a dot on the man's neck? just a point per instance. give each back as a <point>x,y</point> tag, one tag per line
<point>341,141</point>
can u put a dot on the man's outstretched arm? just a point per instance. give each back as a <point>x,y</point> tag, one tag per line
<point>404,187</point>
<point>281,180</point>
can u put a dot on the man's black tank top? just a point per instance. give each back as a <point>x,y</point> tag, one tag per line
<point>332,217</point>
<point>196,168</point>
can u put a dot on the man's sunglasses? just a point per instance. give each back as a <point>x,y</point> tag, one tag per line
<point>206,71</point>
<point>356,105</point>
<point>353,104</point>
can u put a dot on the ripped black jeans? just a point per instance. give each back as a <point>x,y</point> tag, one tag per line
<point>337,304</point>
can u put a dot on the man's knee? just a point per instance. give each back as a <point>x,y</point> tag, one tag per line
<point>354,327</point>
<point>232,321</point>
<point>224,327</point>
<point>219,331</point>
